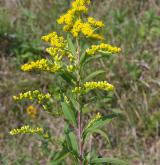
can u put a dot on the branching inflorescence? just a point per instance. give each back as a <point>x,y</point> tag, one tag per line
<point>66,59</point>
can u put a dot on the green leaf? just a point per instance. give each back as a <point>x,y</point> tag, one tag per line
<point>68,113</point>
<point>59,156</point>
<point>68,77</point>
<point>98,123</point>
<point>73,141</point>
<point>94,74</point>
<point>102,121</point>
<point>83,58</point>
<point>74,101</point>
<point>71,45</point>
<point>88,58</point>
<point>112,161</point>
<point>70,141</point>
<point>98,131</point>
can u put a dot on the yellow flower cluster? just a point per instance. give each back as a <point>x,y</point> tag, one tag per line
<point>88,31</point>
<point>67,19</point>
<point>85,28</point>
<point>56,53</point>
<point>26,129</point>
<point>66,99</point>
<point>80,6</point>
<point>77,90</point>
<point>71,57</point>
<point>95,23</point>
<point>32,111</point>
<point>58,50</point>
<point>78,3</point>
<point>74,24</point>
<point>102,47</point>
<point>54,40</point>
<point>98,85</point>
<point>97,117</point>
<point>42,64</point>
<point>31,95</point>
<point>78,25</point>
<point>71,68</point>
<point>103,85</point>
<point>77,7</point>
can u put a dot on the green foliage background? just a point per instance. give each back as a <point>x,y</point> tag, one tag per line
<point>131,25</point>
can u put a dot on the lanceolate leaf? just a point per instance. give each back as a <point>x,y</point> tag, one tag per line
<point>59,156</point>
<point>83,58</point>
<point>98,131</point>
<point>71,45</point>
<point>68,113</point>
<point>102,121</point>
<point>73,141</point>
<point>68,77</point>
<point>89,59</point>
<point>95,57</point>
<point>98,123</point>
<point>74,102</point>
<point>111,161</point>
<point>94,74</point>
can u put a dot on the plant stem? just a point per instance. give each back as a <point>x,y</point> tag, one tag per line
<point>79,136</point>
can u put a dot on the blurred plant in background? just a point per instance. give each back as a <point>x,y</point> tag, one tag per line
<point>32,111</point>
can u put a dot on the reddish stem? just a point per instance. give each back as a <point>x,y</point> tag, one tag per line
<point>79,133</point>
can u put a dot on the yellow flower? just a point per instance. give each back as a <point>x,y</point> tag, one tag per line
<point>80,6</point>
<point>67,19</point>
<point>42,64</point>
<point>87,86</point>
<point>26,129</point>
<point>56,53</point>
<point>97,37</point>
<point>103,85</point>
<point>81,9</point>
<point>77,90</point>
<point>58,50</point>
<point>70,57</point>
<point>75,25</point>
<point>95,23</point>
<point>70,68</point>
<point>80,3</point>
<point>102,47</point>
<point>32,111</point>
<point>31,95</point>
<point>85,28</point>
<point>66,99</point>
<point>54,40</point>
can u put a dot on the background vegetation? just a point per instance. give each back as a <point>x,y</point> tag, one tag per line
<point>132,25</point>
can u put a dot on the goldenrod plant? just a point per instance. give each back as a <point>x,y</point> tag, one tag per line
<point>67,59</point>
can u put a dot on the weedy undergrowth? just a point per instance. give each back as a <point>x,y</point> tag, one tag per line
<point>67,59</point>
